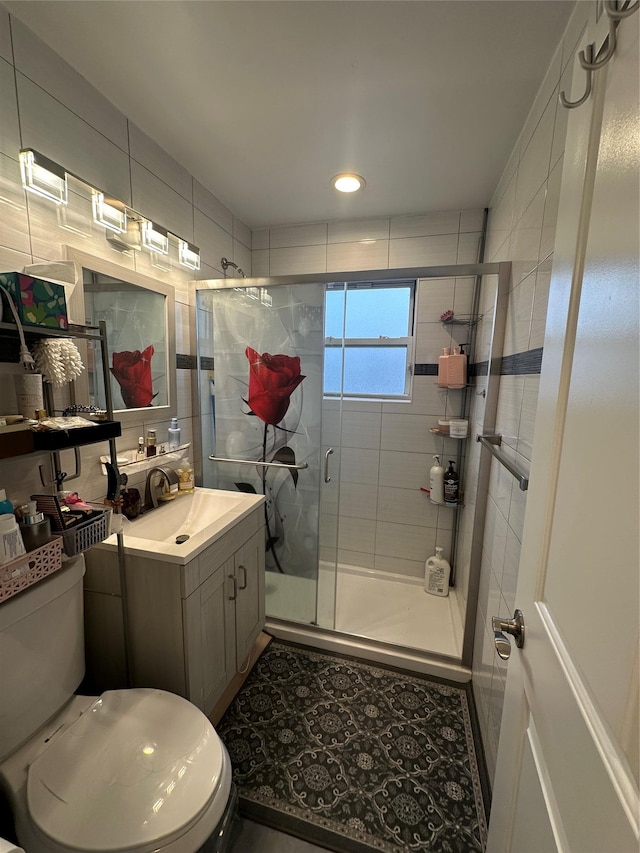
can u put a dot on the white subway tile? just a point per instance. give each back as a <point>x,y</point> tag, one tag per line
<point>357,405</point>
<point>510,569</point>
<point>357,534</point>
<point>534,162</point>
<point>525,242</point>
<point>242,233</point>
<point>356,558</point>
<point>260,263</point>
<point>426,399</point>
<point>6,51</point>
<point>423,251</point>
<point>471,220</point>
<point>212,207</point>
<point>156,160</point>
<point>406,506</point>
<point>358,501</point>
<point>425,225</point>
<point>435,295</point>
<point>409,432</point>
<point>242,257</point>
<point>517,509</point>
<point>413,542</point>
<point>10,260</point>
<point>214,242</point>
<point>260,239</point>
<point>500,482</point>
<point>364,255</point>
<point>60,134</point>
<point>546,93</point>
<point>528,415</point>
<point>430,340</point>
<point>463,296</point>
<point>355,230</point>
<point>399,566</point>
<point>519,311</point>
<point>360,429</point>
<point>359,466</point>
<point>539,312</point>
<point>156,200</point>
<point>50,71</point>
<point>509,407</point>
<point>9,129</point>
<point>468,248</point>
<point>494,541</point>
<point>298,235</point>
<point>14,224</point>
<point>404,470</point>
<point>300,260</point>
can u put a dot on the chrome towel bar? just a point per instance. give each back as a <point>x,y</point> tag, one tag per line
<point>492,443</point>
<point>297,467</point>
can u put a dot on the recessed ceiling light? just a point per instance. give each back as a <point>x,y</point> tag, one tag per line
<point>348,182</point>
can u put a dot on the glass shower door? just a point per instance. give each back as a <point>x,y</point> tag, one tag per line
<point>261,354</point>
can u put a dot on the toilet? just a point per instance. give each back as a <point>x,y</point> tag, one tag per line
<point>131,771</point>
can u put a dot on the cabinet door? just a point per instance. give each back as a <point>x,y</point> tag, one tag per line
<point>217,635</point>
<point>250,615</point>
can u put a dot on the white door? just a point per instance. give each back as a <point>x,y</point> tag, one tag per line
<point>567,770</point>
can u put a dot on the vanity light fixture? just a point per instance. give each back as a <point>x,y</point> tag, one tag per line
<point>188,255</point>
<point>110,216</point>
<point>154,237</point>
<point>348,182</point>
<point>42,176</point>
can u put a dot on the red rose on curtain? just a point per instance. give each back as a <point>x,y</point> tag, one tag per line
<point>272,381</point>
<point>132,371</point>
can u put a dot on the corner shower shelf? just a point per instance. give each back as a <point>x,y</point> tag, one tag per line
<point>463,320</point>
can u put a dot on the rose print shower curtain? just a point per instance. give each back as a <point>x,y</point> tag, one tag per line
<point>261,359</point>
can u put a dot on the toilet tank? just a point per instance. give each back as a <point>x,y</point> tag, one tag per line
<point>41,653</point>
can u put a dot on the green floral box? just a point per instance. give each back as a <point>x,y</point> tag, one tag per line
<point>39,302</point>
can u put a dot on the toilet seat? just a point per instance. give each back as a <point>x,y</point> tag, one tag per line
<point>137,771</point>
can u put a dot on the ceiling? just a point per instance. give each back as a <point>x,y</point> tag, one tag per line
<point>264,101</point>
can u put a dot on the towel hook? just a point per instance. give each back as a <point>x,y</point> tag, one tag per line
<point>611,8</point>
<point>595,64</point>
<point>586,61</point>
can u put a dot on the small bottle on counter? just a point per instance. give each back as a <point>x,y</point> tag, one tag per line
<point>11,544</point>
<point>151,443</point>
<point>34,527</point>
<point>174,435</point>
<point>140,452</point>
<point>5,504</point>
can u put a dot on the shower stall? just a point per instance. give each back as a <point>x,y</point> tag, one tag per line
<point>320,392</point>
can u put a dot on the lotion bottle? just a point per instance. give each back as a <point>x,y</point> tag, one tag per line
<point>457,369</point>
<point>451,486</point>
<point>174,435</point>
<point>436,482</point>
<point>437,574</point>
<point>443,368</point>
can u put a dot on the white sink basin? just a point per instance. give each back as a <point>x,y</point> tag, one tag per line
<point>202,516</point>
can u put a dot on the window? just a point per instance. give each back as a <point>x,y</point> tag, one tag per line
<point>368,339</point>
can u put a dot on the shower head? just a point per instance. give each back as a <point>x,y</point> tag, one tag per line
<point>225,264</point>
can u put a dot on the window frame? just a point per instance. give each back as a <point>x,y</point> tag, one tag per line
<point>407,341</point>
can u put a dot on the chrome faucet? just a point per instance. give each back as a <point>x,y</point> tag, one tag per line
<point>169,476</point>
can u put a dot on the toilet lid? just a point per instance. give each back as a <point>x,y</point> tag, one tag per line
<point>137,769</point>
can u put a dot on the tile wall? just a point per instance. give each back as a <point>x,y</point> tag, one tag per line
<point>46,105</point>
<point>521,229</point>
<point>384,450</point>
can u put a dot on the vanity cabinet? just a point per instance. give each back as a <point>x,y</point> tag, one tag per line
<point>190,627</point>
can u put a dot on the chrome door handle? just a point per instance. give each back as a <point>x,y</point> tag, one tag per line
<point>327,478</point>
<point>514,626</point>
<point>242,569</point>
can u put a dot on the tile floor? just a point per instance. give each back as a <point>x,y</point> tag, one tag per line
<point>255,838</point>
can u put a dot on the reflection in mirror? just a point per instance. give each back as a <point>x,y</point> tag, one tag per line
<point>136,335</point>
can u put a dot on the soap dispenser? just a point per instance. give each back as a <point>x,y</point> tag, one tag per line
<point>437,574</point>
<point>457,368</point>
<point>443,368</point>
<point>436,482</point>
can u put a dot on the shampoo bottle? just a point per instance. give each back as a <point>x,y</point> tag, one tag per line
<point>437,573</point>
<point>451,485</point>
<point>457,369</point>
<point>443,368</point>
<point>436,482</point>
<point>5,504</point>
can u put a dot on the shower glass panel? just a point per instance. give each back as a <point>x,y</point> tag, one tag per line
<point>261,353</point>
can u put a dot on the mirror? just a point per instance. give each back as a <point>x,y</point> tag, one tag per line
<point>139,314</point>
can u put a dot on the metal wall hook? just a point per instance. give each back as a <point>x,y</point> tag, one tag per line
<point>606,56</point>
<point>586,61</point>
<point>627,9</point>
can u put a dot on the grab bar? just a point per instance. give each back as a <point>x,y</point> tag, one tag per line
<point>492,442</point>
<point>299,467</point>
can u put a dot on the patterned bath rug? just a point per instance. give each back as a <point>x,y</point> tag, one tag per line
<point>356,757</point>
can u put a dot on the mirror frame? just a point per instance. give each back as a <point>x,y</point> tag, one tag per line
<point>94,263</point>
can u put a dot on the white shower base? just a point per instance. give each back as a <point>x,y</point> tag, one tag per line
<point>379,606</point>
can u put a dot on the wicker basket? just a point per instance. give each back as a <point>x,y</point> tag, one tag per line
<point>81,537</point>
<point>30,568</point>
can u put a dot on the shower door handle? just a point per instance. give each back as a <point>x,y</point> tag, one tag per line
<point>327,478</point>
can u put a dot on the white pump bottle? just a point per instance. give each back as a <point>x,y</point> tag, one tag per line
<point>437,574</point>
<point>436,482</point>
